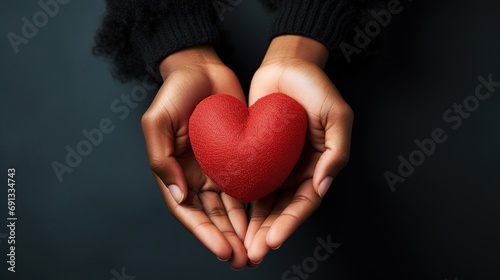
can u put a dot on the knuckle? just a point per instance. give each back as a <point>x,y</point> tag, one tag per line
<point>147,119</point>
<point>235,209</point>
<point>229,233</point>
<point>257,219</point>
<point>216,212</point>
<point>346,112</point>
<point>157,164</point>
<point>342,160</point>
<point>300,198</point>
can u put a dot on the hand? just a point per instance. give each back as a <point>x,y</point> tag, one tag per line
<point>216,219</point>
<point>293,65</point>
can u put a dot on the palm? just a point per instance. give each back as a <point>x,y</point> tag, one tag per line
<point>217,220</point>
<point>274,218</point>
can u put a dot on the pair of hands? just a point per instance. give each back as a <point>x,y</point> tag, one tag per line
<point>292,65</point>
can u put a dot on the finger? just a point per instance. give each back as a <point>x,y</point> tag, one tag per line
<point>259,247</point>
<point>216,212</point>
<point>191,215</point>
<point>338,129</point>
<point>159,144</point>
<point>252,265</point>
<point>165,127</point>
<point>305,201</point>
<point>237,215</point>
<point>330,118</point>
<point>257,213</point>
<point>304,168</point>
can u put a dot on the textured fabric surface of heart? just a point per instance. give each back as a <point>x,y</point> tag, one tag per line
<point>248,152</point>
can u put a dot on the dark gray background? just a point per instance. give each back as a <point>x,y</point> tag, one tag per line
<point>443,222</point>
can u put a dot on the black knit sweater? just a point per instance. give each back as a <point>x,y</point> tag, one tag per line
<point>137,34</point>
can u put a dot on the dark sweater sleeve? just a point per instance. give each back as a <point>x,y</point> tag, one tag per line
<point>138,34</point>
<point>326,21</point>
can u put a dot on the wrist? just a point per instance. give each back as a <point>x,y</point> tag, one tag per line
<point>196,56</point>
<point>296,47</point>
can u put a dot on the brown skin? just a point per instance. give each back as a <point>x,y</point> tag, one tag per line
<point>292,65</point>
<point>216,219</point>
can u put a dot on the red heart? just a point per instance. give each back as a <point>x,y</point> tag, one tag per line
<point>248,152</point>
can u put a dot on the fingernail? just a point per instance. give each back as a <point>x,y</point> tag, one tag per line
<point>223,260</point>
<point>257,263</point>
<point>324,186</point>
<point>236,269</point>
<point>176,193</point>
<point>277,247</point>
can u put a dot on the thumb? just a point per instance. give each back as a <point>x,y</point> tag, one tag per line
<point>325,171</point>
<point>338,129</point>
<point>167,115</point>
<point>160,147</point>
<point>172,177</point>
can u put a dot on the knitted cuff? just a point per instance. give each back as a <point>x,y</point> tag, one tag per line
<point>182,29</point>
<point>323,21</point>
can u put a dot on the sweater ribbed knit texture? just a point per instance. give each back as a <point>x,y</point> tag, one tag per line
<point>139,34</point>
